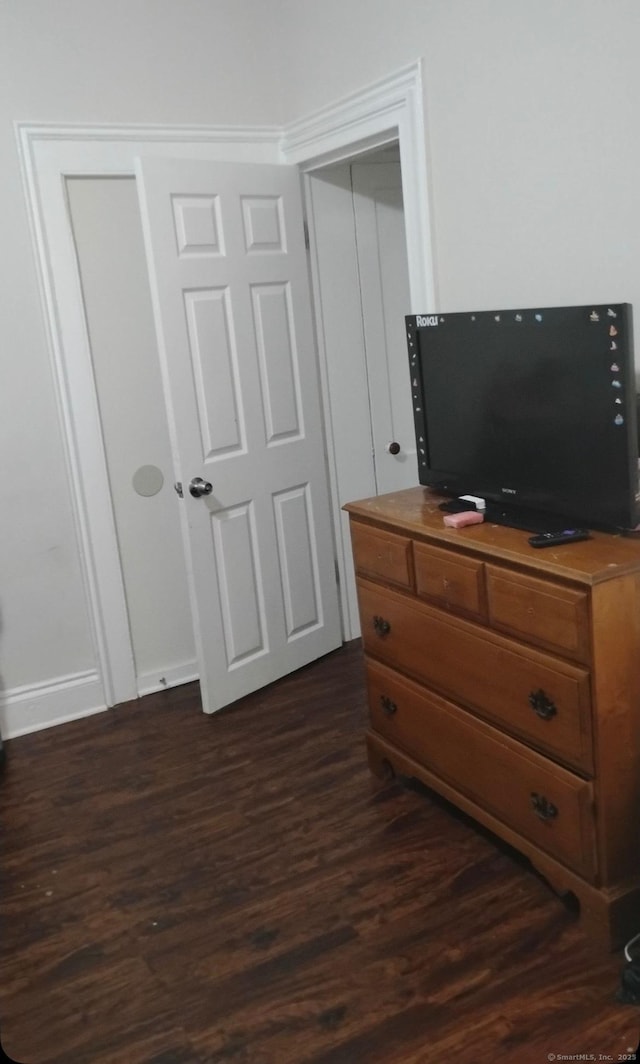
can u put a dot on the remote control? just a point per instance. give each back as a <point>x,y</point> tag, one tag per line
<point>552,539</point>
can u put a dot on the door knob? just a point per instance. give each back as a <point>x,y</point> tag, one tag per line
<point>393,447</point>
<point>198,487</point>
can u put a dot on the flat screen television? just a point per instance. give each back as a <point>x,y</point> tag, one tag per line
<point>533,410</point>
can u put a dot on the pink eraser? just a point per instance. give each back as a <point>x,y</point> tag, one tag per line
<point>467,517</point>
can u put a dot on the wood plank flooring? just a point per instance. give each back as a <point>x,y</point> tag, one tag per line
<point>184,889</point>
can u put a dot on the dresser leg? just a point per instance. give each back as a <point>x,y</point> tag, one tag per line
<point>612,918</point>
<point>608,917</point>
<point>379,762</point>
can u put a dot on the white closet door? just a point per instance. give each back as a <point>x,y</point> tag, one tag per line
<point>384,282</point>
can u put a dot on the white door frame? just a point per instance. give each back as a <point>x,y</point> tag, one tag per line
<point>389,110</point>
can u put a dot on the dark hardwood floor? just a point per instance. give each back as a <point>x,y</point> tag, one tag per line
<point>184,889</point>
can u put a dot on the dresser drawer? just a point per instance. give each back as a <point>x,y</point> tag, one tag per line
<point>382,555</point>
<point>541,801</point>
<point>450,579</point>
<point>537,697</point>
<point>548,614</point>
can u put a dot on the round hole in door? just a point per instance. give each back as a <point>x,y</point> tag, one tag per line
<point>147,480</point>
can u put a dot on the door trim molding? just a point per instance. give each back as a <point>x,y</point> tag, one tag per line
<point>32,132</point>
<point>391,109</point>
<point>48,154</point>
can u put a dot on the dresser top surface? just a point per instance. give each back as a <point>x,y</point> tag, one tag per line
<point>415,511</point>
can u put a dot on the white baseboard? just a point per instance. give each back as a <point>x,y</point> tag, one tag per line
<point>161,679</point>
<point>43,705</point>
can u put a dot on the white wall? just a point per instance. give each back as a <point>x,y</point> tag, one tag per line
<point>532,112</point>
<point>87,61</point>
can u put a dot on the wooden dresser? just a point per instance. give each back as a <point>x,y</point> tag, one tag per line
<point>508,680</point>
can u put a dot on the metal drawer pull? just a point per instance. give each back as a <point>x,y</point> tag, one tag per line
<point>542,704</point>
<point>542,807</point>
<point>388,706</point>
<point>381,626</point>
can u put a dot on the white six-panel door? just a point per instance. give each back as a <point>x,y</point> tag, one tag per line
<point>229,283</point>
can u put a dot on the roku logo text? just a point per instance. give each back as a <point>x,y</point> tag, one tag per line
<point>426,319</point>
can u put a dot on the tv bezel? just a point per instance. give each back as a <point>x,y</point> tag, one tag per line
<point>517,505</point>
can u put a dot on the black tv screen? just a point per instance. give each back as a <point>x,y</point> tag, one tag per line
<point>532,410</point>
